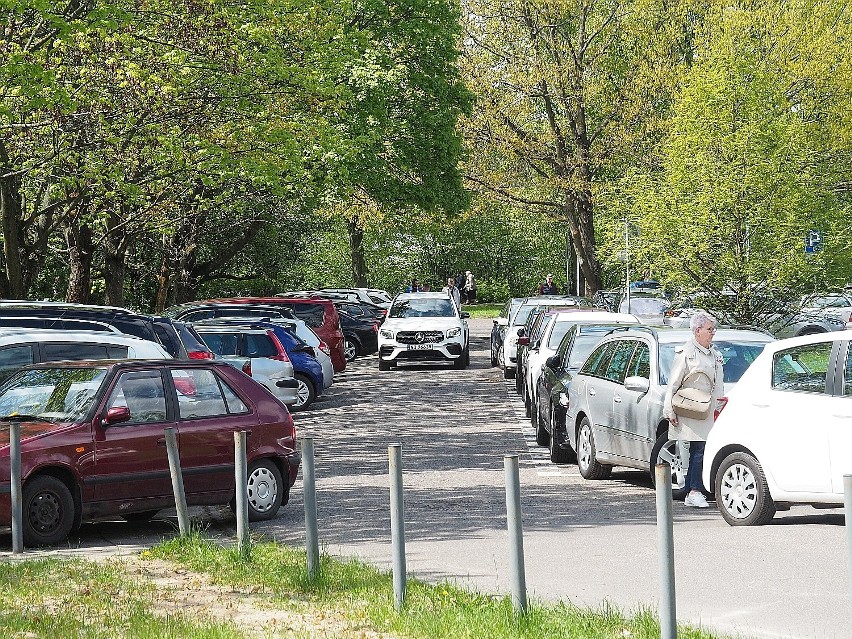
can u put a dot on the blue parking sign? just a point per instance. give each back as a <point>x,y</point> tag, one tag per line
<point>813,242</point>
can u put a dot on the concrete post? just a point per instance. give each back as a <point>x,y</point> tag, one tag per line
<point>177,481</point>
<point>17,488</point>
<point>241,477</point>
<point>397,524</point>
<point>665,545</point>
<point>309,482</point>
<point>516,533</point>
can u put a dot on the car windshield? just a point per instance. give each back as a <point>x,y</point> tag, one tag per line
<point>52,394</point>
<point>423,307</point>
<point>827,302</point>
<point>523,314</point>
<point>644,306</point>
<point>736,356</point>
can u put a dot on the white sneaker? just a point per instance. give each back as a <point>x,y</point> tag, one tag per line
<point>696,500</point>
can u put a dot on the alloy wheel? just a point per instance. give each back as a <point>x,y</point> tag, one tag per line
<point>303,393</point>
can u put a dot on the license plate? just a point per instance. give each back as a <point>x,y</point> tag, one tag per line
<point>420,347</point>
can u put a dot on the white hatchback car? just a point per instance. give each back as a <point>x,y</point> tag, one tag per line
<point>785,435</point>
<point>424,326</point>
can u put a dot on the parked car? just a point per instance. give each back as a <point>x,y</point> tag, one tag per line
<point>306,369</point>
<point>21,347</point>
<point>256,352</point>
<point>498,330</point>
<point>424,326</point>
<point>557,371</point>
<point>363,311</point>
<point>508,359</point>
<point>317,312</point>
<point>92,441</point>
<point>648,309</point>
<point>370,295</point>
<point>197,311</point>
<point>179,342</point>
<point>615,401</point>
<point>784,436</point>
<point>361,335</point>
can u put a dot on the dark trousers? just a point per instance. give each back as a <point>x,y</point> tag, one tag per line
<point>696,466</point>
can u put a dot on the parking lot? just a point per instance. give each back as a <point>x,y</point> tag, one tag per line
<point>588,542</point>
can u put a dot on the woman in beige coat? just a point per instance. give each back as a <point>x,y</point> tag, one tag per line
<point>696,355</point>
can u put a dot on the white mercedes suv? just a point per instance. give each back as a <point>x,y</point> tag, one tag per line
<point>424,327</point>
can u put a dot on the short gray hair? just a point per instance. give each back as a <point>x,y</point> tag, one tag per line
<point>699,320</point>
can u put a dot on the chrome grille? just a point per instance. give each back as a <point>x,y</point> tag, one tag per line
<point>419,337</point>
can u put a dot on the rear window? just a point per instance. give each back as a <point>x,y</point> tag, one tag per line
<point>223,344</point>
<point>260,345</point>
<point>168,339</point>
<point>311,314</point>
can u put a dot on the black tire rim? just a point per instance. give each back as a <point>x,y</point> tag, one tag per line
<point>45,512</point>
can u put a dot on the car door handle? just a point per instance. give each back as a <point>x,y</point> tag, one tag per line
<point>592,392</point>
<point>617,399</point>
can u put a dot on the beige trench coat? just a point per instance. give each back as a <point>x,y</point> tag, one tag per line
<point>691,358</point>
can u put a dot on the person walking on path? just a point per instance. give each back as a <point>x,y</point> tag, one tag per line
<point>451,290</point>
<point>414,287</point>
<point>696,365</point>
<point>469,288</point>
<point>548,287</point>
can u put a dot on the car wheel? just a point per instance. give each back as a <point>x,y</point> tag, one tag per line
<point>305,393</point>
<point>508,373</point>
<point>265,490</point>
<point>350,349</point>
<point>667,450</point>
<point>459,362</point>
<point>542,437</point>
<point>49,511</point>
<point>558,454</point>
<point>589,467</point>
<point>519,383</point>
<point>494,359</point>
<point>742,493</point>
<point>140,517</point>
<point>384,365</point>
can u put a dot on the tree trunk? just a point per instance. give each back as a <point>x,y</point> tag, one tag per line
<point>79,239</point>
<point>358,262</point>
<point>10,211</point>
<point>163,281</point>
<point>116,241</point>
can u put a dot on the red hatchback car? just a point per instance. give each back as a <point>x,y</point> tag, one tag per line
<point>93,441</point>
<point>317,312</point>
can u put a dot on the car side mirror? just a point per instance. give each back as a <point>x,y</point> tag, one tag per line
<point>116,415</point>
<point>636,383</point>
<point>523,341</point>
<point>552,361</point>
<point>465,315</point>
<point>521,331</point>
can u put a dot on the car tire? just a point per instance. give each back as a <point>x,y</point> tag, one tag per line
<point>666,447</point>
<point>49,511</point>
<point>140,517</point>
<point>742,493</point>
<point>459,362</point>
<point>508,373</point>
<point>542,437</point>
<point>265,490</point>
<point>351,349</point>
<point>305,394</point>
<point>519,383</point>
<point>558,454</point>
<point>589,467</point>
<point>493,357</point>
<point>384,365</point>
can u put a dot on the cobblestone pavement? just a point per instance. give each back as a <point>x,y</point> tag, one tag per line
<point>590,542</point>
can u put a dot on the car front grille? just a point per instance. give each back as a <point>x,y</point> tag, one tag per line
<point>419,337</point>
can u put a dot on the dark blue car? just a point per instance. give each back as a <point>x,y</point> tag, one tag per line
<point>306,369</point>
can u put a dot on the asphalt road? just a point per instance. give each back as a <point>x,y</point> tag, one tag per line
<point>587,542</point>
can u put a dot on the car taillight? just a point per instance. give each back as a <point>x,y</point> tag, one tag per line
<point>720,406</point>
<point>247,368</point>
<point>200,355</point>
<point>324,348</point>
<point>282,354</point>
<point>375,328</point>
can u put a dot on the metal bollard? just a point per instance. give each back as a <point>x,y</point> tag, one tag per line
<point>516,533</point>
<point>241,476</point>
<point>665,545</point>
<point>847,501</point>
<point>309,481</point>
<point>177,481</point>
<point>397,524</point>
<point>17,489</point>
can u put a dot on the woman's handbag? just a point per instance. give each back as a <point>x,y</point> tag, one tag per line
<point>692,402</point>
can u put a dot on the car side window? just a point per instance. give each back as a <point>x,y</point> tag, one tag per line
<point>597,362</point>
<point>620,358</point>
<point>143,393</point>
<point>565,347</point>
<point>12,358</point>
<point>223,344</point>
<point>260,345</point>
<point>74,351</point>
<point>235,404</point>
<point>802,368</point>
<point>198,393</point>
<point>640,365</point>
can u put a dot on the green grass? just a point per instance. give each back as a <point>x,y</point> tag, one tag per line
<point>73,599</point>
<point>364,595</point>
<point>484,310</point>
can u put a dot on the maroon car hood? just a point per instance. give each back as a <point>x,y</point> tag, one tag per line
<point>30,430</point>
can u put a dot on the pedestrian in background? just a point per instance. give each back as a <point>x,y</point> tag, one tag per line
<point>469,288</point>
<point>451,290</point>
<point>414,287</point>
<point>548,287</point>
<point>696,365</point>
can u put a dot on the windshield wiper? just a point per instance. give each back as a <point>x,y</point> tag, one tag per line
<point>23,418</point>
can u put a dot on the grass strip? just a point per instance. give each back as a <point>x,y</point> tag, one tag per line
<point>75,599</point>
<point>364,595</point>
<point>480,311</point>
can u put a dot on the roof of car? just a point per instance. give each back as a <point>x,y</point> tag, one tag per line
<point>592,316</point>
<point>426,295</point>
<point>16,335</point>
<point>228,327</point>
<point>267,300</point>
<point>63,306</point>
<point>815,338</point>
<point>669,335</point>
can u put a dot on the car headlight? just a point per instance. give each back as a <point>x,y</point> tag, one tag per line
<point>563,399</point>
<point>453,332</point>
<point>386,333</point>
